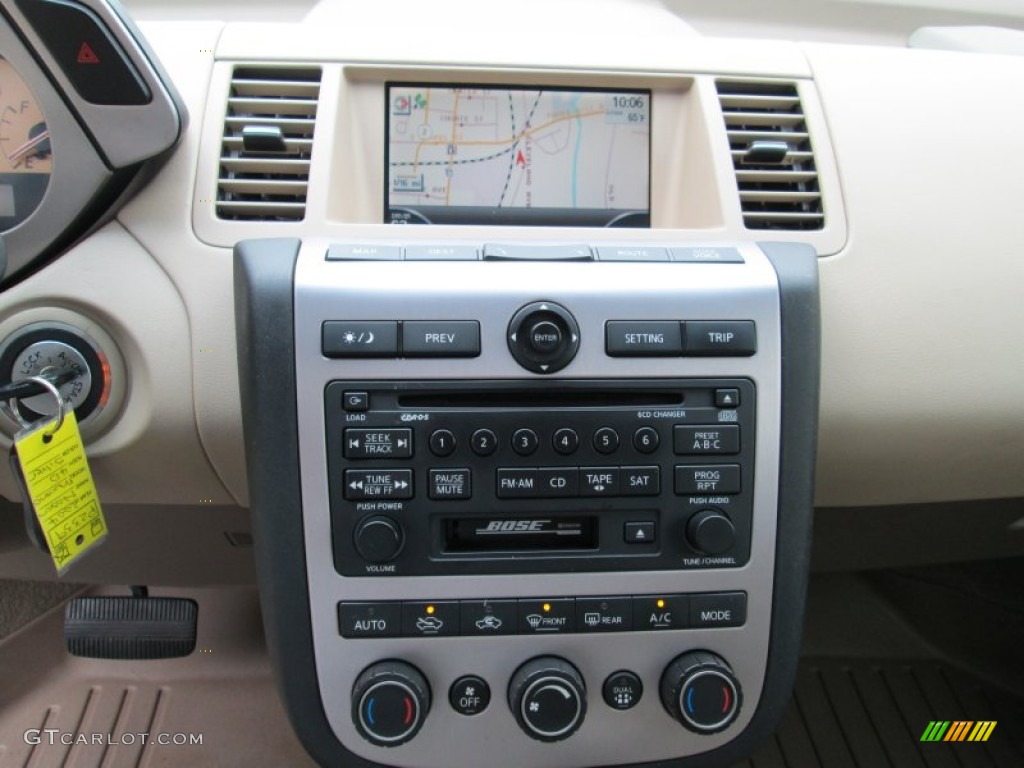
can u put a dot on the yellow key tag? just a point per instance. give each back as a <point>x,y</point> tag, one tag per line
<point>60,485</point>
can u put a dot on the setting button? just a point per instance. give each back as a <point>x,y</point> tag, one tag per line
<point>489,617</point>
<point>657,613</point>
<point>424,619</point>
<point>454,338</point>
<point>701,479</point>
<point>698,441</point>
<point>720,338</point>
<point>544,617</point>
<point>599,481</point>
<point>362,484</point>
<point>370,619</point>
<point>622,690</point>
<point>629,338</point>
<point>378,443</point>
<point>469,695</point>
<point>450,484</point>
<point>604,614</point>
<point>369,339</point>
<point>718,609</point>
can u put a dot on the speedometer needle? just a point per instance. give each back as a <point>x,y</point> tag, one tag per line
<point>17,155</point>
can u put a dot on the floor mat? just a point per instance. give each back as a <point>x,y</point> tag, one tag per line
<point>873,714</point>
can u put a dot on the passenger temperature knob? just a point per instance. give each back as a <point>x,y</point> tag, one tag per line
<point>699,690</point>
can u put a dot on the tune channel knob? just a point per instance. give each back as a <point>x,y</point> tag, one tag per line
<point>711,532</point>
<point>699,690</point>
<point>548,698</point>
<point>378,539</point>
<point>390,701</point>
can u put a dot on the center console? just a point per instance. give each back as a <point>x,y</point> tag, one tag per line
<point>530,503</point>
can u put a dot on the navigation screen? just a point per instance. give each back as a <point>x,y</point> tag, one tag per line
<point>460,155</point>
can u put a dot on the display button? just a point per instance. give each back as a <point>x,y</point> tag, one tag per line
<point>441,253</point>
<point>707,255</point>
<point>699,441</point>
<point>525,441</point>
<point>721,338</point>
<point>367,339</point>
<point>366,252</point>
<point>370,619</point>
<point>363,484</point>
<point>469,695</point>
<point>543,617</point>
<point>442,442</point>
<point>631,253</point>
<point>517,484</point>
<point>643,339</point>
<point>559,482</point>
<point>450,484</point>
<point>455,338</point>
<point>604,614</point>
<point>640,532</point>
<point>606,440</point>
<point>489,617</point>
<point>86,52</point>
<point>356,402</point>
<point>378,443</point>
<point>483,442</point>
<point>622,690</point>
<point>599,481</point>
<point>727,398</point>
<point>639,481</point>
<point>426,619</point>
<point>703,479</point>
<point>646,440</point>
<point>565,441</point>
<point>664,612</point>
<point>718,609</point>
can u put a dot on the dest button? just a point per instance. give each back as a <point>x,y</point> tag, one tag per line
<point>661,612</point>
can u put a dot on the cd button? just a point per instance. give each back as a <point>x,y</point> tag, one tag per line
<point>559,482</point>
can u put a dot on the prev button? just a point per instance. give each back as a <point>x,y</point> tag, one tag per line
<point>453,338</point>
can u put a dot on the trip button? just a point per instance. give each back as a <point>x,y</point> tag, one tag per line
<point>450,484</point>
<point>604,614</point>
<point>720,338</point>
<point>640,481</point>
<point>86,52</point>
<point>559,482</point>
<point>517,484</point>
<point>657,613</point>
<point>718,609</point>
<point>643,339</point>
<point>423,619</point>
<point>455,338</point>
<point>369,619</point>
<point>542,617</point>
<point>489,617</point>
<point>378,443</point>
<point>699,441</point>
<point>366,339</point>
<point>599,481</point>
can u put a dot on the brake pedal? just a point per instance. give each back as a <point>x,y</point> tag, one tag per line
<point>131,627</point>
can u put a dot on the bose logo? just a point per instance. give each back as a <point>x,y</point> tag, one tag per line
<point>514,526</point>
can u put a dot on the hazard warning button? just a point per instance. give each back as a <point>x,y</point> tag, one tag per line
<point>86,52</point>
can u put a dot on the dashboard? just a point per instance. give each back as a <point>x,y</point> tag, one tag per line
<point>503,352</point>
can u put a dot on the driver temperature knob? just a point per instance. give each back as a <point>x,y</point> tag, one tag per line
<point>548,698</point>
<point>390,701</point>
<point>700,691</point>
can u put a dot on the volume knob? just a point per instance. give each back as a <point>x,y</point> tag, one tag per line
<point>378,539</point>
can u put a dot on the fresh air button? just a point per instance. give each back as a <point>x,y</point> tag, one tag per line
<point>604,614</point>
<point>657,613</point>
<point>707,255</point>
<point>720,338</point>
<point>720,609</point>
<point>364,253</point>
<point>378,443</point>
<point>704,479</point>
<point>454,338</point>
<point>557,252</point>
<point>639,481</point>
<point>425,619</point>
<point>371,338</point>
<point>639,532</point>
<point>441,253</point>
<point>517,484</point>
<point>363,484</point>
<point>370,619</point>
<point>547,617</point>
<point>631,253</point>
<point>86,52</point>
<point>698,441</point>
<point>489,617</point>
<point>599,481</point>
<point>450,484</point>
<point>636,338</point>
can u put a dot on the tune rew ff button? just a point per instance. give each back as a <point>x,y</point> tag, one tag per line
<point>543,337</point>
<point>699,690</point>
<point>390,701</point>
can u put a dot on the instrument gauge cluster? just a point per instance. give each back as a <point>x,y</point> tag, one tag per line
<point>26,153</point>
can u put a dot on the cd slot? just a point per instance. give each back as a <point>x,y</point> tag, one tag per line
<point>541,399</point>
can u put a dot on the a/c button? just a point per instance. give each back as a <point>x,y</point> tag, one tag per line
<point>661,612</point>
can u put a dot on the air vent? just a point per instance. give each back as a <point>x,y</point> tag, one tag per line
<point>771,152</point>
<point>268,140</point>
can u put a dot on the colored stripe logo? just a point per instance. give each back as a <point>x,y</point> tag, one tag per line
<point>959,730</point>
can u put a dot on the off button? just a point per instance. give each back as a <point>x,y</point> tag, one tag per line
<point>469,695</point>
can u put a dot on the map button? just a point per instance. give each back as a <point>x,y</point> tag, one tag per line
<point>559,252</point>
<point>349,252</point>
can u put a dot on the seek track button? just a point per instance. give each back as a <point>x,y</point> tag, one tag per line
<point>378,443</point>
